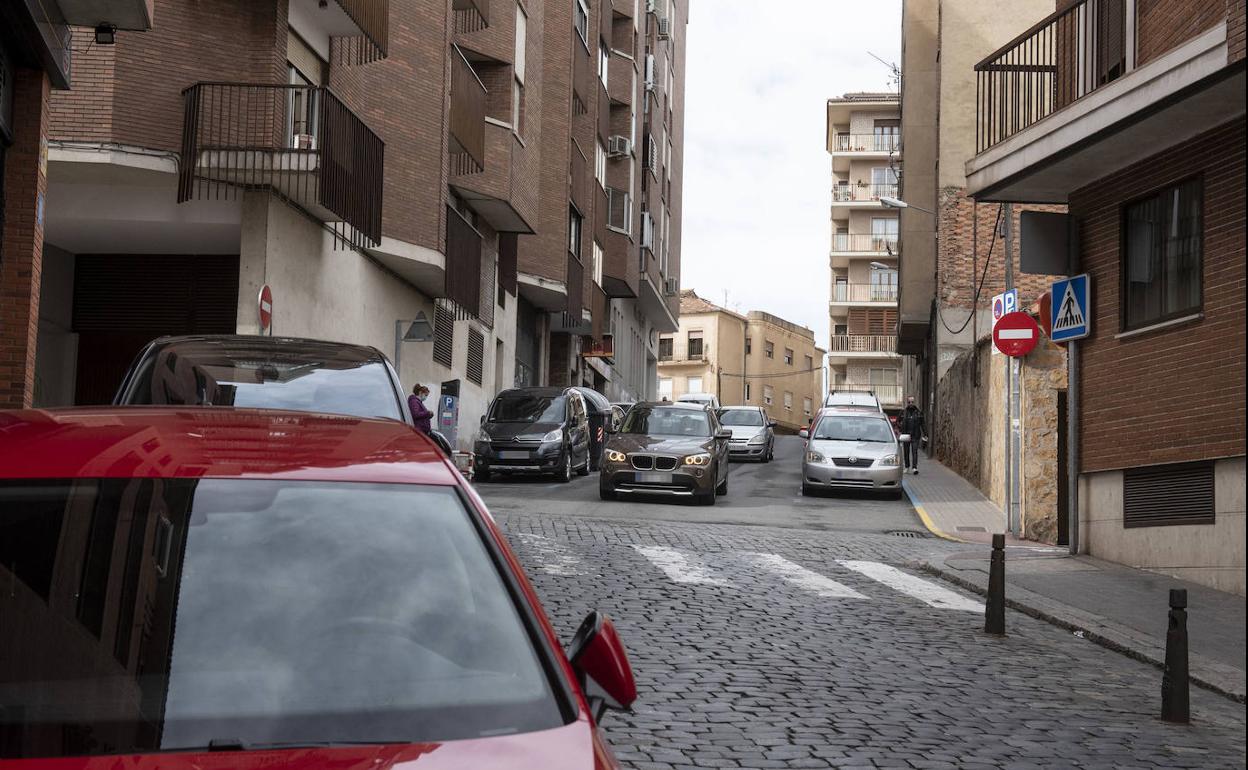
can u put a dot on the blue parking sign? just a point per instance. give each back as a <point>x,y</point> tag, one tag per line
<point>1072,308</point>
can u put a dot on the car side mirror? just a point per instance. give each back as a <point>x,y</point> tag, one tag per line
<point>483,419</point>
<point>803,433</point>
<point>771,423</point>
<point>723,433</point>
<point>601,665</point>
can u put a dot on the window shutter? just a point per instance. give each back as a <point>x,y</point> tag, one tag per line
<point>443,335</point>
<point>476,356</point>
<point>1163,495</point>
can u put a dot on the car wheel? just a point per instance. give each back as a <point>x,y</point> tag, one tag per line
<point>606,494</point>
<point>481,473</point>
<point>722,489</point>
<point>807,491</point>
<point>707,498</point>
<point>896,494</point>
<point>565,473</point>
<point>584,469</point>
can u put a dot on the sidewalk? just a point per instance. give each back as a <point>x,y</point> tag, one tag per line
<point>1116,606</point>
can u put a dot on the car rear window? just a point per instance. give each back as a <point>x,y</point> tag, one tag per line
<point>146,615</point>
<point>306,383</point>
<point>741,417</point>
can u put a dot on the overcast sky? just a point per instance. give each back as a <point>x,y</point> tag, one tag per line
<point>757,174</point>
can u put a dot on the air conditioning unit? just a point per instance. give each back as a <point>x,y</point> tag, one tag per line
<point>652,6</point>
<point>303,142</point>
<point>671,287</point>
<point>665,29</point>
<point>619,146</point>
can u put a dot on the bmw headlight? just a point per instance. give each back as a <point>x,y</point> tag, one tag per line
<point>815,457</point>
<point>890,461</point>
<point>759,438</point>
<point>616,457</point>
<point>698,459</point>
<point>554,435</point>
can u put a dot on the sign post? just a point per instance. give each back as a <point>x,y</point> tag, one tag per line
<point>1071,311</point>
<point>265,306</point>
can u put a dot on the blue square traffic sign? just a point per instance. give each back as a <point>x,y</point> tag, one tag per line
<point>1072,308</point>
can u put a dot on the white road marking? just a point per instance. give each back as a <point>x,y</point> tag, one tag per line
<point>553,557</point>
<point>678,566</point>
<point>802,577</point>
<point>925,591</point>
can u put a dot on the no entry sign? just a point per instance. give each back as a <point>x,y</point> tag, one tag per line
<point>1016,334</point>
<point>266,308</point>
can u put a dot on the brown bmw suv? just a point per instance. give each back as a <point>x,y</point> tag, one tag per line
<point>667,449</point>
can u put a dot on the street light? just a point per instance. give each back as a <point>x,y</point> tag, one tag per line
<point>898,203</point>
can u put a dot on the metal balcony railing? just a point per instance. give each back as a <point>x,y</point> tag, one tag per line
<point>886,142</point>
<point>373,19</point>
<point>863,343</point>
<point>471,15</point>
<point>863,292</point>
<point>863,192</point>
<point>300,141</point>
<point>1065,56</point>
<point>884,244</point>
<point>888,395</point>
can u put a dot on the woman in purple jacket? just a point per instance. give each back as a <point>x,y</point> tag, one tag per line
<point>421,415</point>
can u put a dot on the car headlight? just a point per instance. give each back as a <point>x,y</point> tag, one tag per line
<point>888,460</point>
<point>698,459</point>
<point>760,438</point>
<point>554,435</point>
<point>616,457</point>
<point>484,437</point>
<point>815,457</point>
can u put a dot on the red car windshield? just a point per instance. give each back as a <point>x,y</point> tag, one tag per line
<point>145,615</point>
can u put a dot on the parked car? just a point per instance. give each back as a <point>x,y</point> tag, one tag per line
<point>705,399</point>
<point>267,372</point>
<point>753,432</point>
<point>852,449</point>
<point>600,422</point>
<point>853,398</point>
<point>291,589</point>
<point>534,430</point>
<point>668,449</point>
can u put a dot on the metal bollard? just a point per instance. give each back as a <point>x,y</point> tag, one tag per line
<point>994,611</point>
<point>1175,700</point>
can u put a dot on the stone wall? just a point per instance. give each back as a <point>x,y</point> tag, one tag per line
<point>968,429</point>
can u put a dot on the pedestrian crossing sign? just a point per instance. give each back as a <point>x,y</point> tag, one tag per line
<point>1072,309</point>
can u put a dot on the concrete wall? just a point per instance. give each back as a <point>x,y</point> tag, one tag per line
<point>1209,554</point>
<point>968,430</point>
<point>57,360</point>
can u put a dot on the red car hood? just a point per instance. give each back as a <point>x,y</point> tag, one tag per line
<point>572,747</point>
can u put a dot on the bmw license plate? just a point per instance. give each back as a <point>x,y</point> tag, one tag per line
<point>654,478</point>
<point>513,455</point>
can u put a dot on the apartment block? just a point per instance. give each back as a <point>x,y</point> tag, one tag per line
<point>1131,114</point>
<point>864,140</point>
<point>372,162</point>
<point>756,359</point>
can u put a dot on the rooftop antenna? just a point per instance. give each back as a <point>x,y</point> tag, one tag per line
<point>894,79</point>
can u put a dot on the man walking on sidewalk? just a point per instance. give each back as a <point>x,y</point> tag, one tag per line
<point>911,424</point>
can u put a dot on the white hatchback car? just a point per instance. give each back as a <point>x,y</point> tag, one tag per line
<point>852,398</point>
<point>852,448</point>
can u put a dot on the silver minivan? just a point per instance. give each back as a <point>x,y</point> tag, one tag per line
<point>852,449</point>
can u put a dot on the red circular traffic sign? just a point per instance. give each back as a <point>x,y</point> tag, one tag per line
<point>266,308</point>
<point>1016,334</point>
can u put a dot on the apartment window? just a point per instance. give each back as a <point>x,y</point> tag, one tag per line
<point>574,231</point>
<point>604,61</point>
<point>695,345</point>
<point>788,356</point>
<point>665,348</point>
<point>747,346</point>
<point>788,401</point>
<point>887,135</point>
<point>883,284</point>
<point>884,385</point>
<point>810,363</point>
<point>600,164</point>
<point>807,406</point>
<point>695,385</point>
<point>580,20</point>
<point>769,348</point>
<point>769,394</point>
<point>1161,265</point>
<point>747,392</point>
<point>665,388</point>
<point>883,181</point>
<point>597,266</point>
<point>883,233</point>
<point>522,36</point>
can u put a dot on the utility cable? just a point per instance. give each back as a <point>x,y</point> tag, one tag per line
<point>982,278</point>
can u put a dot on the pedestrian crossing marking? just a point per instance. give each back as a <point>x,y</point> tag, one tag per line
<point>803,578</point>
<point>1069,314</point>
<point>925,591</point>
<point>554,558</point>
<point>678,567</point>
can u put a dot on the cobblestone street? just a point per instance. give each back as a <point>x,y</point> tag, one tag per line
<point>772,633</point>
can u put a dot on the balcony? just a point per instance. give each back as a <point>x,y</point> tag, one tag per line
<point>467,121</point>
<point>864,294</point>
<point>863,343</point>
<point>865,243</point>
<point>862,193</point>
<point>888,394</point>
<point>621,79</point>
<point>1066,103</point>
<point>298,141</point>
<point>495,190</point>
<point>471,15</point>
<point>867,144</point>
<point>362,27</point>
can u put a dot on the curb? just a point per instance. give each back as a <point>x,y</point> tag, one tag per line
<point>1205,673</point>
<point>925,518</point>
